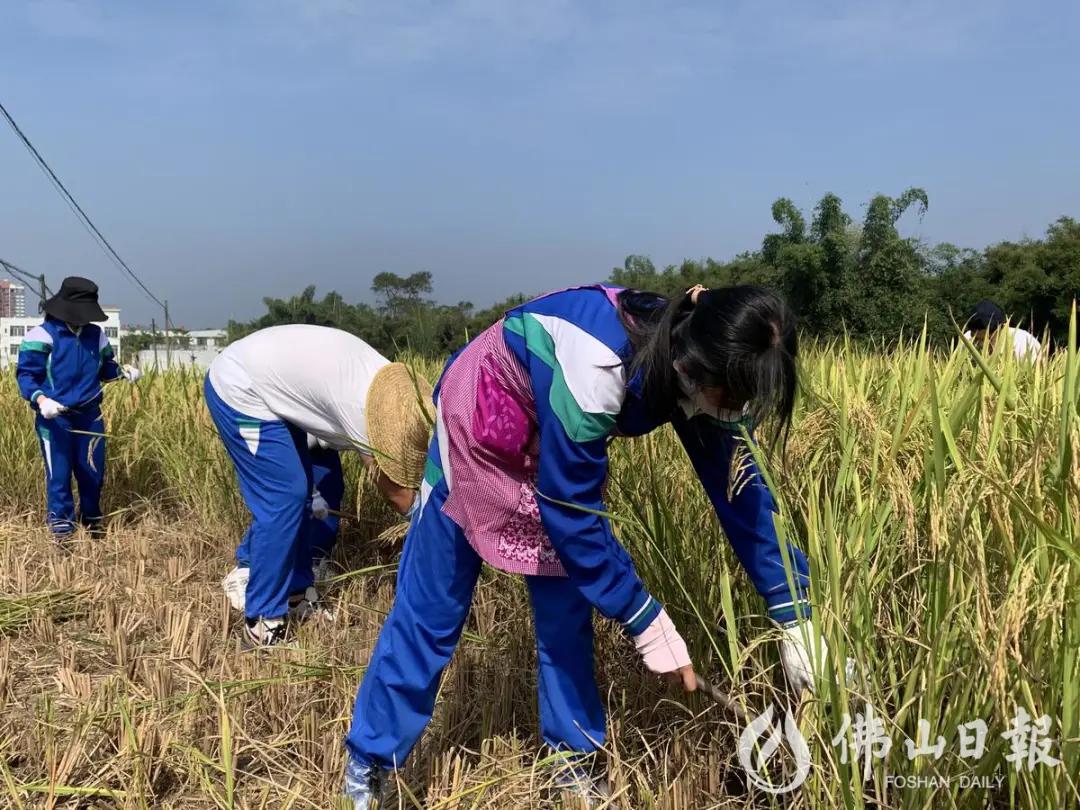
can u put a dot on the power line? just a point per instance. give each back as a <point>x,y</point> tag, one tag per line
<point>41,289</point>
<point>82,216</point>
<point>21,274</point>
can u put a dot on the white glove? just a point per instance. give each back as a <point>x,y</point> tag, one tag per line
<point>796,658</point>
<point>132,374</point>
<point>319,507</point>
<point>315,443</point>
<point>661,646</point>
<point>49,408</point>
<point>235,585</point>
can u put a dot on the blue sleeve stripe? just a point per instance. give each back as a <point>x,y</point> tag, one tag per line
<point>643,617</point>
<point>38,393</point>
<point>34,346</point>
<point>790,613</point>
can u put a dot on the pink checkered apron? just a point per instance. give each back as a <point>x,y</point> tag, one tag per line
<point>492,446</point>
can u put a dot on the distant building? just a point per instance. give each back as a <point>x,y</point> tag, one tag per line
<point>13,330</point>
<point>12,299</point>
<point>194,349</point>
<point>207,338</point>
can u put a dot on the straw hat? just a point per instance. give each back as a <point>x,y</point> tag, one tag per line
<point>399,420</point>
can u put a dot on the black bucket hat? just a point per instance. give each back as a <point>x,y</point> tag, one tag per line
<point>77,302</point>
<point>987,316</point>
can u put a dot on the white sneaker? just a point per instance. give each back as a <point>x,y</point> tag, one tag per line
<point>308,605</point>
<point>235,585</point>
<point>363,785</point>
<point>575,778</point>
<point>264,633</point>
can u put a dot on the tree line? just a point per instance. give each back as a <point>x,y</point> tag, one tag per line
<point>842,276</point>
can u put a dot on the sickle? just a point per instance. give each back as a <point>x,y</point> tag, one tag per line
<point>722,699</point>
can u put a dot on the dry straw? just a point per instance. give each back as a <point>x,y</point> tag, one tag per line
<point>936,495</point>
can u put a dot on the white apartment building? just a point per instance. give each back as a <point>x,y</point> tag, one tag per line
<point>13,330</point>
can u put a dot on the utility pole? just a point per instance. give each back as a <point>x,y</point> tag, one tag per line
<point>29,279</point>
<point>153,339</point>
<point>168,337</point>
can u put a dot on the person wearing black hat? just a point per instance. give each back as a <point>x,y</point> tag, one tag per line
<point>62,366</point>
<point>988,322</point>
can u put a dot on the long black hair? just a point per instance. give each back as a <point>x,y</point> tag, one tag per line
<point>742,339</point>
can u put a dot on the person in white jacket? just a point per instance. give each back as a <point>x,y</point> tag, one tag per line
<point>988,326</point>
<point>269,392</point>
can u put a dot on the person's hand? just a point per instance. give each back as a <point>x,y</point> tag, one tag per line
<point>49,408</point>
<point>131,374</point>
<point>664,652</point>
<point>319,507</point>
<point>684,677</point>
<point>795,655</point>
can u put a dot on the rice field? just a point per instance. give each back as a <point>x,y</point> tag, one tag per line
<point>936,495</point>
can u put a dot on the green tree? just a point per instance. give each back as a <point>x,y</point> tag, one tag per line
<point>1035,281</point>
<point>864,278</point>
<point>402,295</point>
<point>812,269</point>
<point>888,271</point>
<point>637,272</point>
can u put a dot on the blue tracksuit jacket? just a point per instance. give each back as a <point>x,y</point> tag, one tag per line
<point>64,366</point>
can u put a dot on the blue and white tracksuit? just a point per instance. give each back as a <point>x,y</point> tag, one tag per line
<point>273,466</point>
<point>436,577</point>
<point>70,368</point>
<point>576,352</point>
<point>267,393</point>
<point>328,479</point>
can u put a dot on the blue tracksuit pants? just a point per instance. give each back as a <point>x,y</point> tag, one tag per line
<point>328,478</point>
<point>274,471</point>
<point>436,577</point>
<point>71,444</point>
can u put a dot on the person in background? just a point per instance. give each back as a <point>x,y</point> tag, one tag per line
<point>515,478</point>
<point>63,364</point>
<point>267,393</point>
<point>988,324</point>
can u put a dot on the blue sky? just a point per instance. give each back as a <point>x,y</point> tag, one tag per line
<point>231,150</point>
